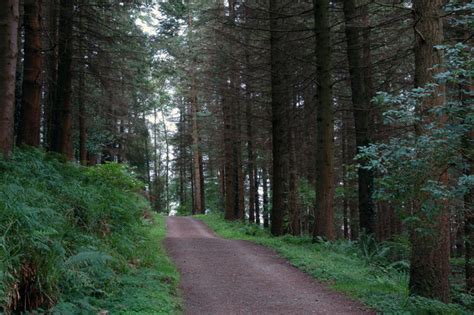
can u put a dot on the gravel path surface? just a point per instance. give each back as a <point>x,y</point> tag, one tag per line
<point>229,277</point>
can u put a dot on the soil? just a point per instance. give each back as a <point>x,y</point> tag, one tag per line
<point>227,277</point>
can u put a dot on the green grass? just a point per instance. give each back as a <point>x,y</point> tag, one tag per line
<point>342,266</point>
<point>149,286</point>
<point>78,240</point>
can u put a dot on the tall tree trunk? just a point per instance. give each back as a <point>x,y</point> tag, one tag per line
<point>345,180</point>
<point>197,155</point>
<point>193,210</point>
<point>324,225</point>
<point>9,16</point>
<point>156,161</point>
<point>280,104</point>
<point>167,168</point>
<point>265,197</point>
<point>466,92</point>
<point>30,121</point>
<point>358,52</point>
<point>62,112</point>
<point>240,172</point>
<point>469,226</point>
<point>82,119</point>
<point>235,83</point>
<point>80,95</point>
<point>230,154</point>
<point>251,159</point>
<point>429,269</point>
<point>293,207</point>
<point>228,161</point>
<point>257,196</point>
<point>235,172</point>
<point>147,165</point>
<point>182,155</point>
<point>251,165</point>
<point>51,70</point>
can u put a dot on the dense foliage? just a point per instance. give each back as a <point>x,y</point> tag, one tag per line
<point>74,236</point>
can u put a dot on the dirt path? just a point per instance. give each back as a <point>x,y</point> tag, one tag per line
<point>228,277</point>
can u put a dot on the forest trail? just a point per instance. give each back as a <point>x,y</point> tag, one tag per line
<point>220,276</point>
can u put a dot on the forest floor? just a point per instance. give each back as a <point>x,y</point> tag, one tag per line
<point>221,276</point>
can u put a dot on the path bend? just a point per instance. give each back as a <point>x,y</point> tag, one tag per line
<point>227,277</point>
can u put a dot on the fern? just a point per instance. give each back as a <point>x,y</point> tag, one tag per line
<point>87,257</point>
<point>72,227</point>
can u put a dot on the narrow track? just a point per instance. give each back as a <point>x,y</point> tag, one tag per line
<point>228,277</point>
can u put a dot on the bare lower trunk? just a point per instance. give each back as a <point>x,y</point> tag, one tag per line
<point>82,120</point>
<point>293,207</point>
<point>280,105</point>
<point>324,226</point>
<point>51,37</point>
<point>80,99</point>
<point>9,16</point>
<point>251,162</point>
<point>198,205</point>
<point>469,233</point>
<point>240,172</point>
<point>62,112</point>
<point>29,129</point>
<point>197,159</point>
<point>429,269</point>
<point>228,161</point>
<point>358,52</point>
<point>257,197</point>
<point>265,197</point>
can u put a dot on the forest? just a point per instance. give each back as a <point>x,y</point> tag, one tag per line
<point>136,135</point>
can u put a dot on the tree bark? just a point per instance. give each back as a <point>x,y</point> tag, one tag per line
<point>228,161</point>
<point>466,92</point>
<point>429,269</point>
<point>167,169</point>
<point>182,154</point>
<point>280,104</point>
<point>251,159</point>
<point>239,164</point>
<point>469,229</point>
<point>293,207</point>
<point>62,113</point>
<point>82,120</point>
<point>9,17</point>
<point>30,121</point>
<point>197,155</point>
<point>266,223</point>
<point>230,89</point>
<point>257,196</point>
<point>51,70</point>
<point>358,52</point>
<point>82,106</point>
<point>324,225</point>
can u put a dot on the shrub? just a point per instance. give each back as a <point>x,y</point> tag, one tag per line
<point>65,229</point>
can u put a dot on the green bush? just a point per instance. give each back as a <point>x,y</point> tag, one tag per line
<point>66,230</point>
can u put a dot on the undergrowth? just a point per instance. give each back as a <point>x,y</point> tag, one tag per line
<point>371,272</point>
<point>79,240</point>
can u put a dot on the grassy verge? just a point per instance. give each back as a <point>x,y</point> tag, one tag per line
<point>343,266</point>
<point>78,240</point>
<point>149,286</point>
